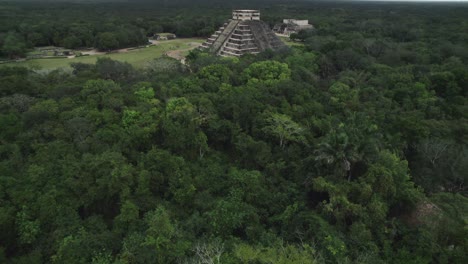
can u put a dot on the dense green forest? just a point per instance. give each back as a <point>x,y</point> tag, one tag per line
<point>350,148</point>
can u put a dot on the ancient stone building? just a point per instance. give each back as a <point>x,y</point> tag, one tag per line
<point>244,33</point>
<point>290,26</point>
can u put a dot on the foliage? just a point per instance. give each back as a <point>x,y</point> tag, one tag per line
<point>349,148</point>
<point>267,72</point>
<point>282,127</point>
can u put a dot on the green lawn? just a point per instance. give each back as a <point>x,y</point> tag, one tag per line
<point>138,57</point>
<point>289,42</point>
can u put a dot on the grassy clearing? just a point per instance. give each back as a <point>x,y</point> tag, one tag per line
<point>289,42</point>
<point>138,57</point>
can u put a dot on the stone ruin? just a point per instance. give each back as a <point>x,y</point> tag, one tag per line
<point>244,33</point>
<point>290,26</point>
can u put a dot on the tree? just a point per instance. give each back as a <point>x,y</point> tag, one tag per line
<point>439,164</point>
<point>37,39</point>
<point>182,128</point>
<point>268,72</point>
<point>302,35</point>
<point>444,84</point>
<point>41,112</point>
<point>107,41</point>
<point>72,42</point>
<point>364,206</point>
<point>347,144</point>
<point>230,214</point>
<point>114,70</point>
<point>128,217</point>
<point>343,97</point>
<point>166,67</point>
<point>79,128</point>
<point>100,94</point>
<point>161,235</point>
<point>294,37</point>
<point>284,128</point>
<point>13,46</point>
<point>216,73</point>
<point>28,229</point>
<point>209,253</point>
<point>277,253</point>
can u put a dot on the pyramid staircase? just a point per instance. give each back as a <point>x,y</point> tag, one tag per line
<point>239,37</point>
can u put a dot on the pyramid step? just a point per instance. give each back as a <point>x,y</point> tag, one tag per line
<point>236,37</point>
<point>241,49</point>
<point>229,53</point>
<point>232,49</point>
<point>249,49</point>
<point>232,45</point>
<point>225,35</point>
<point>241,34</point>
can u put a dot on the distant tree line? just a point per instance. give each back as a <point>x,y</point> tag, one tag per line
<point>103,26</point>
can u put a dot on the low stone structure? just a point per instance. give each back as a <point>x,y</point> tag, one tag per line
<point>290,26</point>
<point>244,33</point>
<point>165,36</point>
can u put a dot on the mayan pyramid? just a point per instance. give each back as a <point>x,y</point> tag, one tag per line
<point>244,33</point>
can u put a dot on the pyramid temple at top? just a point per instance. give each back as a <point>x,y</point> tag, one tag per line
<point>244,33</point>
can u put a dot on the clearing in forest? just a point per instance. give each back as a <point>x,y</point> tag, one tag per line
<point>137,57</point>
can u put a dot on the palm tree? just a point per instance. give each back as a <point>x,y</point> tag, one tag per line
<point>337,151</point>
<point>344,146</point>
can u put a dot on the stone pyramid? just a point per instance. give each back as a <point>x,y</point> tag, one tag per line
<point>244,33</point>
